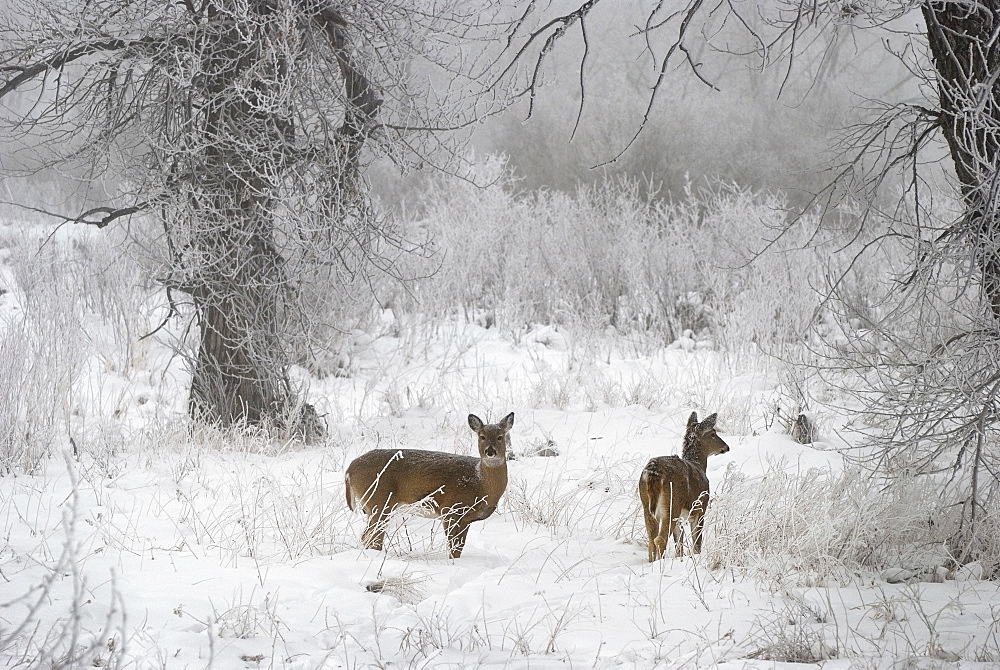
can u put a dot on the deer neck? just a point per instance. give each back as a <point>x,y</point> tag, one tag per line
<point>493,477</point>
<point>694,454</point>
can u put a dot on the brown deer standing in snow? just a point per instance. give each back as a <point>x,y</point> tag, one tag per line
<point>672,487</point>
<point>458,489</point>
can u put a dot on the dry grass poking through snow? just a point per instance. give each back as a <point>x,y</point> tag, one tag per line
<point>234,550</point>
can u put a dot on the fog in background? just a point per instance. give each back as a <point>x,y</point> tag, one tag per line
<point>777,129</point>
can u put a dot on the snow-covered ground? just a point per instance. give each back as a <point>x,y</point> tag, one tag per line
<point>162,546</point>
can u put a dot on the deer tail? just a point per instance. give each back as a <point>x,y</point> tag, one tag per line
<point>348,493</point>
<point>650,477</point>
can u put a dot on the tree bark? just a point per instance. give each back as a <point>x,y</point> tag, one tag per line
<point>240,375</point>
<point>966,58</point>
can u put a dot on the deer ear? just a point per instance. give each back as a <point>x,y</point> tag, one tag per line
<point>693,419</point>
<point>508,421</point>
<point>475,423</point>
<point>709,423</point>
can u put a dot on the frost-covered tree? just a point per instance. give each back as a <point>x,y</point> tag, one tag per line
<point>240,129</point>
<point>933,346</point>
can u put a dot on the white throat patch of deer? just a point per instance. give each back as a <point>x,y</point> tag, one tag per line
<point>458,489</point>
<point>674,487</point>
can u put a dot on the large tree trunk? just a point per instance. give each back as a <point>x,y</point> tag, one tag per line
<point>240,370</point>
<point>962,37</point>
<point>966,57</point>
<point>241,293</point>
<point>240,375</point>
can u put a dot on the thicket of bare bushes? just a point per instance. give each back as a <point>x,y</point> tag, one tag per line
<point>652,268</point>
<point>605,259</point>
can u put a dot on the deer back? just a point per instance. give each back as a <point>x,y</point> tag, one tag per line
<point>677,481</point>
<point>389,477</point>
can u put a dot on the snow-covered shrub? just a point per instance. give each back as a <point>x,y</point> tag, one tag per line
<point>803,528</point>
<point>20,448</point>
<point>716,266</point>
<point>43,346</point>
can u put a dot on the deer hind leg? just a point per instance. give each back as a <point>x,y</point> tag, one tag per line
<point>658,544</point>
<point>665,524</point>
<point>374,533</point>
<point>651,530</point>
<point>698,522</point>
<point>677,530</point>
<point>648,517</point>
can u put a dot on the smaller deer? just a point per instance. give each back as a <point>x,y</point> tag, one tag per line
<point>458,489</point>
<point>672,488</point>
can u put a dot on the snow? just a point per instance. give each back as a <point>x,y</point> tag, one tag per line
<point>169,548</point>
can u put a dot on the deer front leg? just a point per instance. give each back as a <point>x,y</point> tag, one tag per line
<point>698,521</point>
<point>456,527</point>
<point>697,528</point>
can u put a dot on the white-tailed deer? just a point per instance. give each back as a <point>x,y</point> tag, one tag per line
<point>458,489</point>
<point>673,487</point>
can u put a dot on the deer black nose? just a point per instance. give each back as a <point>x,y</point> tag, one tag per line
<point>491,452</point>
